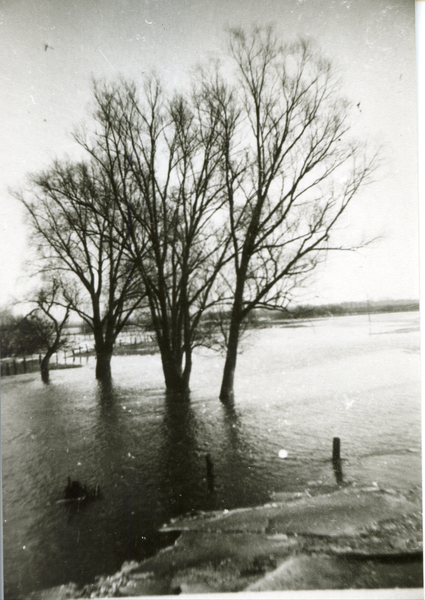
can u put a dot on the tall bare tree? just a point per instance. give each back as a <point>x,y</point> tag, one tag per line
<point>290,167</point>
<point>72,212</point>
<point>170,151</point>
<point>234,187</point>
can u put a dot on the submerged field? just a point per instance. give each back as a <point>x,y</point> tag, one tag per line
<point>297,387</point>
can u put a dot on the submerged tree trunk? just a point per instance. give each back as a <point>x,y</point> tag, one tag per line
<point>176,380</point>
<point>45,366</point>
<point>187,369</point>
<point>227,392</point>
<point>103,365</point>
<point>104,346</point>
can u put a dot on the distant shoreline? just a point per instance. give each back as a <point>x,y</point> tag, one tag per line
<point>262,320</point>
<point>340,310</point>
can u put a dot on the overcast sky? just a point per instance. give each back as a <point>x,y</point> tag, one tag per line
<point>51,49</point>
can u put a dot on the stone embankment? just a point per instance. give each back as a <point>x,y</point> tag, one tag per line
<point>352,538</point>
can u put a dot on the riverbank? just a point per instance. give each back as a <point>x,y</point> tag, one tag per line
<point>352,538</point>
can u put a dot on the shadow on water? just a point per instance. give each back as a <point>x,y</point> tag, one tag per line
<point>236,483</point>
<point>105,391</point>
<point>124,459</point>
<point>206,463</point>
<point>126,472</point>
<point>109,430</point>
<point>337,468</point>
<point>182,481</point>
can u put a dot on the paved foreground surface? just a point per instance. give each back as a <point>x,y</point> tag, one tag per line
<point>352,538</point>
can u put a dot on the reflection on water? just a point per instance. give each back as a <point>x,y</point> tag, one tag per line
<point>337,467</point>
<point>296,389</point>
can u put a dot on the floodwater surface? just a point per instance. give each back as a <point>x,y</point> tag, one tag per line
<point>296,388</point>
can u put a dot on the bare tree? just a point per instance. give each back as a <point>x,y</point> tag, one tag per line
<point>48,322</point>
<point>290,169</point>
<point>224,198</point>
<point>42,330</point>
<point>72,212</point>
<point>172,204</point>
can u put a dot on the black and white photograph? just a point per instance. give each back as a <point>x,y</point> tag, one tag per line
<point>209,299</point>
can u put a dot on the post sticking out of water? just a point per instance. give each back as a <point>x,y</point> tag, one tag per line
<point>336,449</point>
<point>336,460</point>
<point>210,474</point>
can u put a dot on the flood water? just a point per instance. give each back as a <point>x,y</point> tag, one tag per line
<point>296,388</point>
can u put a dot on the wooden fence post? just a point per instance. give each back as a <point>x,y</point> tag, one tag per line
<point>336,449</point>
<point>336,460</point>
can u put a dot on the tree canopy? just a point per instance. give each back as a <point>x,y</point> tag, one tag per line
<point>223,198</point>
<point>72,211</point>
<point>291,169</point>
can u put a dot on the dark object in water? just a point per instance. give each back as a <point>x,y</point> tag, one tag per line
<point>336,449</point>
<point>77,492</point>
<point>336,460</point>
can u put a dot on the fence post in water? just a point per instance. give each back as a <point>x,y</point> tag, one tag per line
<point>336,460</point>
<point>25,365</point>
<point>7,368</point>
<point>39,359</point>
<point>336,449</point>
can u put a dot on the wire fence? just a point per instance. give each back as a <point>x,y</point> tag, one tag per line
<point>82,347</point>
<point>31,364</point>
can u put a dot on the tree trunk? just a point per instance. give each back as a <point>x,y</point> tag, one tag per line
<point>227,392</point>
<point>103,365</point>
<point>188,368</point>
<point>175,379</point>
<point>103,347</point>
<point>45,367</point>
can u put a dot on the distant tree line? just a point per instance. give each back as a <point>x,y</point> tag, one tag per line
<point>339,309</point>
<point>221,199</point>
